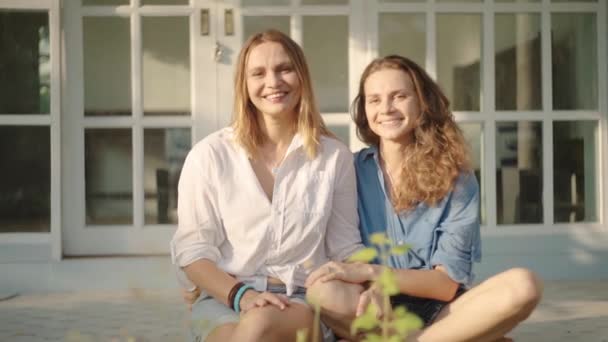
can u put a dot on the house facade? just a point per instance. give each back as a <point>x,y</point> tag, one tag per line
<point>100,100</point>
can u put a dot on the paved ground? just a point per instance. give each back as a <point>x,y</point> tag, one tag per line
<point>570,311</point>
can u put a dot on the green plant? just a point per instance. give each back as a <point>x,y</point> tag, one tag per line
<point>393,327</point>
<point>397,325</point>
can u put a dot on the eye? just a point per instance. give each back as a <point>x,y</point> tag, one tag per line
<point>286,69</point>
<point>373,100</point>
<point>400,96</point>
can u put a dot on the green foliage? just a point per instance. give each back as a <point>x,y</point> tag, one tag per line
<point>394,326</point>
<point>364,255</point>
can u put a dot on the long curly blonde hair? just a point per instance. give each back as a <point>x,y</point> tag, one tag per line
<point>438,152</point>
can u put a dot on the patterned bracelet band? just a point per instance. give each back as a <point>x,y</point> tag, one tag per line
<point>233,292</point>
<point>239,296</point>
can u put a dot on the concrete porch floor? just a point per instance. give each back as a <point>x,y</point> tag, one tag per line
<point>570,310</point>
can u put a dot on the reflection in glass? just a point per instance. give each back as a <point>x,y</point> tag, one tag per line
<point>574,61</point>
<point>164,154</point>
<point>575,177</point>
<point>403,34</point>
<point>25,189</point>
<point>324,2</point>
<point>166,65</point>
<point>459,59</point>
<point>256,24</point>
<point>265,2</point>
<point>342,132</point>
<point>104,2</point>
<point>517,62</point>
<point>107,66</point>
<point>325,43</point>
<point>108,176</point>
<point>519,172</point>
<point>473,135</point>
<point>25,65</point>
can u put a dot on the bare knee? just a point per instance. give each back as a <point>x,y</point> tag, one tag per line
<point>337,298</point>
<point>258,326</point>
<point>525,290</point>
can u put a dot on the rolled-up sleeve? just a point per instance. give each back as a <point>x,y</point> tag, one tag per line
<point>343,237</point>
<point>199,233</point>
<point>457,242</point>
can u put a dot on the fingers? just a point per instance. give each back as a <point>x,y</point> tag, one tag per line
<point>364,300</point>
<point>267,298</point>
<point>190,297</point>
<point>329,271</point>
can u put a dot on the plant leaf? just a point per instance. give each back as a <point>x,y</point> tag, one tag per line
<point>400,249</point>
<point>404,325</point>
<point>373,338</point>
<point>364,255</point>
<point>302,335</point>
<point>378,239</point>
<point>388,282</point>
<point>367,321</point>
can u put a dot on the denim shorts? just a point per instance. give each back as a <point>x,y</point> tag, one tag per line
<point>208,314</point>
<point>425,308</point>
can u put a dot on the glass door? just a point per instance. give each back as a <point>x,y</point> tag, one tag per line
<point>29,123</point>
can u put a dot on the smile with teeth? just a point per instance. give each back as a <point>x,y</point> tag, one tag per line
<point>391,122</point>
<point>275,97</point>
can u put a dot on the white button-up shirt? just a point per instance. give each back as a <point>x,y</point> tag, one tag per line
<point>225,216</point>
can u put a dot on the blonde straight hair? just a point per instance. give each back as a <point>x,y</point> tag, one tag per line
<point>309,124</point>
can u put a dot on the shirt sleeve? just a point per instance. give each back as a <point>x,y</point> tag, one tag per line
<point>343,237</point>
<point>199,232</point>
<point>456,242</point>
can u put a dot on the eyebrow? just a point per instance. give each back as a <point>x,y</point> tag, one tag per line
<point>286,64</point>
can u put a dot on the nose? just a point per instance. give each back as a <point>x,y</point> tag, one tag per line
<point>273,79</point>
<point>386,106</point>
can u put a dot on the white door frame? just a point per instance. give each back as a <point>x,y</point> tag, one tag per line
<point>53,120</point>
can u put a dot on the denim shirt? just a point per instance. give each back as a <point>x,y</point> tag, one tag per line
<point>445,234</point>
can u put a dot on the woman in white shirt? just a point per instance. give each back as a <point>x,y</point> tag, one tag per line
<point>263,202</point>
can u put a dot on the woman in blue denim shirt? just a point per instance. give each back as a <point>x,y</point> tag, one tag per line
<point>415,184</point>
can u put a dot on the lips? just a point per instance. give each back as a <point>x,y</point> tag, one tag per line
<point>275,97</point>
<point>391,122</point>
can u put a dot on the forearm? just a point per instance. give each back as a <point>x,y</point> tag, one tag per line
<point>435,283</point>
<point>207,276</point>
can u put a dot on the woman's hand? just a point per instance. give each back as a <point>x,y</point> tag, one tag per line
<point>253,299</point>
<point>372,296</point>
<point>190,296</point>
<point>355,273</point>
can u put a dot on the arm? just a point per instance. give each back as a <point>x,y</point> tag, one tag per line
<point>343,237</point>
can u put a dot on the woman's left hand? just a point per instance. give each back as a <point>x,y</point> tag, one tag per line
<point>190,296</point>
<point>356,273</point>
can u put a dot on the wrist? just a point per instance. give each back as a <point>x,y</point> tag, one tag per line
<point>248,295</point>
<point>373,271</point>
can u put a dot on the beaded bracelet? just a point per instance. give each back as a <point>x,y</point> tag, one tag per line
<point>239,296</point>
<point>233,292</point>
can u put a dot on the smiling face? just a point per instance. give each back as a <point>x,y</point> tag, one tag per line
<point>272,82</point>
<point>391,104</point>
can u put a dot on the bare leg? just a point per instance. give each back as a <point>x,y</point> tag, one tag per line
<point>488,311</point>
<point>269,323</point>
<point>338,304</point>
<point>222,333</point>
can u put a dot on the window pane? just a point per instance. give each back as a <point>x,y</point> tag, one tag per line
<point>403,34</point>
<point>324,2</point>
<point>325,44</point>
<point>104,2</point>
<point>108,176</point>
<point>474,137</point>
<point>459,1</point>
<point>459,59</point>
<point>24,63</point>
<point>107,66</point>
<point>519,174</point>
<point>25,189</point>
<point>517,62</point>
<point>265,2</point>
<point>574,57</point>
<point>392,1</point>
<point>574,0</point>
<point>342,132</point>
<point>575,171</point>
<point>518,1</point>
<point>166,65</point>
<point>164,154</point>
<point>256,24</point>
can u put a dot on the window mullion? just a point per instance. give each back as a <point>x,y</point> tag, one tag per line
<point>137,130</point>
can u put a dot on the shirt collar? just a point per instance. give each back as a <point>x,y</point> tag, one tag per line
<point>370,152</point>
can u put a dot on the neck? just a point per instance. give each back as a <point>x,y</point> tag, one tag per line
<point>392,154</point>
<point>277,132</point>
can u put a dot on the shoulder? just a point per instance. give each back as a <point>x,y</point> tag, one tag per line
<point>466,184</point>
<point>332,145</point>
<point>362,155</point>
<point>212,145</point>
